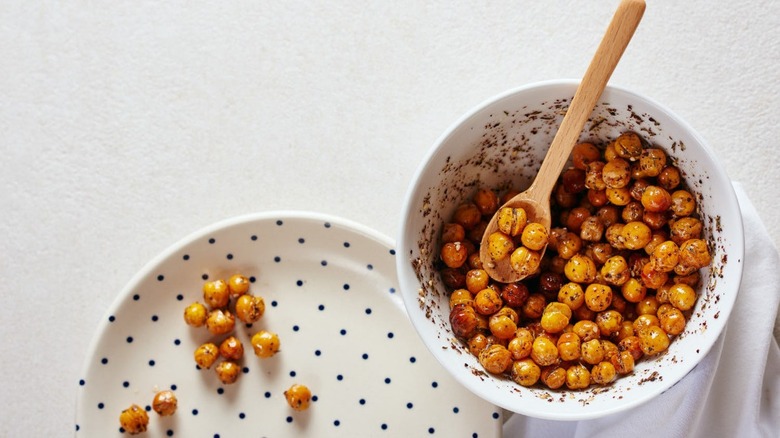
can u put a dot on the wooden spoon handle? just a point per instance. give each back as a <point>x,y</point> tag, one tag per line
<point>611,48</point>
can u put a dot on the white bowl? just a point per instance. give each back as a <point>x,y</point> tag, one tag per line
<point>500,144</point>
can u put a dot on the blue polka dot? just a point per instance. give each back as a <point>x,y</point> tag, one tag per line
<point>194,412</point>
<point>435,384</point>
<point>254,237</point>
<point>220,391</point>
<point>324,263</point>
<point>321,307</point>
<point>205,276</point>
<point>336,423</point>
<point>101,405</point>
<point>343,332</point>
<point>242,415</point>
<point>292,373</point>
<point>346,244</point>
<point>267,394</point>
<point>179,297</point>
<point>317,353</point>
<point>169,432</point>
<point>173,387</point>
<point>409,405</point>
<point>160,277</point>
<point>111,318</point>
<point>277,259</point>
<point>279,222</point>
<point>387,380</point>
<point>392,252</point>
<point>125,384</point>
<point>365,356</point>
<point>412,359</point>
<point>299,282</point>
<point>151,362</point>
<point>368,311</point>
<point>104,360</point>
<point>370,267</point>
<point>495,415</point>
<point>229,256</point>
<point>431,430</point>
<point>346,286</point>
<point>136,297</point>
<point>274,303</point>
<point>327,224</point>
<point>129,339</point>
<point>339,377</point>
<point>362,401</point>
<point>390,335</point>
<point>456,409</point>
<point>289,419</point>
<point>212,240</point>
<point>177,342</point>
<point>301,240</point>
<point>82,382</point>
<point>384,426</point>
<point>296,328</point>
<point>185,257</point>
<point>155,318</point>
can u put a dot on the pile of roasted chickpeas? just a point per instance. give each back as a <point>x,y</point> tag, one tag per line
<point>617,281</point>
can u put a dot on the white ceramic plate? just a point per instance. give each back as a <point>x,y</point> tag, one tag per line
<point>330,289</point>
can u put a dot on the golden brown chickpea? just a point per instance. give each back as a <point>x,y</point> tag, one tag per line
<point>562,198</point>
<point>647,306</point>
<point>633,211</point>
<point>615,271</point>
<point>653,278</point>
<point>500,245</point>
<point>478,342</point>
<point>629,146</point>
<point>614,236</point>
<point>601,252</point>
<point>672,320</point>
<point>228,372</point>
<point>577,377</point>
<point>463,320</point>
<point>514,294</point>
<point>165,403</point>
<point>569,346</point>
<point>454,254</point>
<point>645,321</point>
<point>475,234</point>
<point>685,228</point>
<point>656,199</point>
<point>216,294</point>
<point>568,245</point>
<point>652,161</point>
<point>659,237</point>
<point>580,269</point>
<point>461,296</point>
<point>487,301</point>
<point>553,376</point>
<point>609,322</point>
<point>298,397</point>
<point>618,196</point>
<point>231,348</point>
<point>453,232</point>
<point>572,295</point>
<point>635,235</point>
<point>525,261</point>
<point>592,352</point>
<point>238,285</point>
<point>249,308</point>
<point>521,345</point>
<point>575,217</point>
<point>467,215</point>
<point>692,279</point>
<point>206,355</point>
<point>220,322</point>
<point>609,151</point>
<point>476,280</point>
<point>592,229</point>
<point>511,221</point>
<point>637,188</point>
<point>683,203</point>
<point>495,359</point>
<point>597,198</point>
<point>633,291</point>
<point>502,326</point>
<point>586,330</point>
<point>623,362</point>
<point>195,315</point>
<point>555,317</point>
<point>573,180</point>
<point>544,351</point>
<point>609,215</point>
<point>670,178</point>
<point>682,296</point>
<point>603,373</point>
<point>632,344</point>
<point>525,372</point>
<point>626,330</point>
<point>473,261</point>
<point>694,254</point>
<point>134,420</point>
<point>593,176</point>
<point>486,201</point>
<point>534,236</point>
<point>583,154</point>
<point>654,340</point>
<point>665,256</point>
<point>265,344</point>
<point>616,173</point>
<point>453,278</point>
<point>598,297</point>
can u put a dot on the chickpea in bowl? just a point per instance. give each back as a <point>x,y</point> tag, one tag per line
<point>497,149</point>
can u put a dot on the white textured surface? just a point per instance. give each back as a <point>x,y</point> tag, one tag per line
<point>125,126</point>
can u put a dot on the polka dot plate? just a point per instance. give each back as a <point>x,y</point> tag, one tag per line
<point>330,290</point>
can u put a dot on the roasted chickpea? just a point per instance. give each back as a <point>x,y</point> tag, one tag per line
<point>553,376</point>
<point>555,317</point>
<point>694,254</point>
<point>653,340</point>
<point>467,215</point>
<point>534,306</point>
<point>575,217</point>
<point>592,229</point>
<point>652,277</point>
<point>597,198</point>
<point>165,403</point>
<point>502,326</point>
<point>514,294</point>
<point>601,252</point>
<point>206,355</point>
<point>623,362</point>
<point>632,344</point>
<point>614,235</point>
<point>479,342</point>
<point>652,161</point>
<point>495,359</point>
<point>633,211</point>
<point>525,372</point>
<point>593,176</point>
<point>609,322</point>
<point>644,321</point>
<point>486,201</point>
<point>487,301</point>
<point>568,245</point>
<point>672,320</point>
<point>682,296</point>
<point>636,235</point>
<point>511,221</point>
<point>265,343</point>
<point>220,322</point>
<point>583,154</point>
<point>228,372</point>
<point>454,254</point>
<point>238,285</point>
<point>534,236</point>
<point>586,330</point>
<point>134,420</point>
<point>216,294</point>
<point>633,290</point>
<point>453,232</point>
<point>603,373</point>
<point>665,256</point>
<point>298,397</point>
<point>685,228</point>
<point>521,345</point>
<point>616,173</point>
<point>683,203</point>
<point>658,238</point>
<point>231,348</point>
<point>647,306</point>
<point>577,377</point>
<point>615,271</point>
<point>592,352</point>
<point>598,297</point>
<point>461,296</point>
<point>195,315</point>
<point>525,261</point>
<point>580,269</point>
<point>626,329</point>
<point>249,308</point>
<point>670,178</point>
<point>453,278</point>
<point>463,320</point>
<point>656,199</point>
<point>544,351</point>
<point>476,280</point>
<point>629,146</point>
<point>573,180</point>
<point>618,196</point>
<point>572,295</point>
<point>569,346</point>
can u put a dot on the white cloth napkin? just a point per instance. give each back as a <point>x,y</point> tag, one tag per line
<point>733,392</point>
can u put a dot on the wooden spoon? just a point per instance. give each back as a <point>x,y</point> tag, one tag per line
<point>536,199</point>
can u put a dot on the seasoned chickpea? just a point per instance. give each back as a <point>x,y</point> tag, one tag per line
<point>479,342</point>
<point>556,317</point>
<point>670,178</point>
<point>486,201</point>
<point>652,161</point>
<point>568,245</point>
<point>598,297</point>
<point>544,351</point>
<point>502,326</point>
<point>633,290</point>
<point>629,146</point>
<point>467,215</point>
<point>593,176</point>
<point>553,376</point>
<point>249,308</point>
<point>463,320</point>
<point>216,294</point>
<point>514,294</point>
<point>586,330</point>
<point>615,271</point>
<point>580,269</point>
<point>525,372</point>
<point>165,403</point>
<point>134,420</point>
<point>682,296</point>
<point>592,229</point>
<point>583,154</point>
<point>672,320</point>
<point>572,295</point>
<point>228,372</point>
<point>231,348</point>
<point>577,377</point>
<point>633,211</point>
<point>644,321</point>
<point>238,285</point>
<point>618,196</point>
<point>220,322</point>
<point>683,203</point>
<point>603,373</point>
<point>495,359</point>
<point>461,296</point>
<point>453,232</point>
<point>487,301</point>
<point>534,236</point>
<point>623,362</point>
<point>575,217</point>
<point>609,322</point>
<point>592,352</point>
<point>206,355</point>
<point>569,346</point>
<point>195,315</point>
<point>653,340</point>
<point>573,180</point>
<point>665,256</point>
<point>453,278</point>
<point>265,343</point>
<point>656,199</point>
<point>647,306</point>
<point>685,228</point>
<point>476,280</point>
<point>500,245</point>
<point>454,254</point>
<point>652,277</point>
<point>521,345</point>
<point>614,236</point>
<point>616,173</point>
<point>694,253</point>
<point>597,198</point>
<point>298,397</point>
<point>511,221</point>
<point>534,306</point>
<point>636,235</point>
<point>626,329</point>
<point>525,261</point>
<point>632,344</point>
